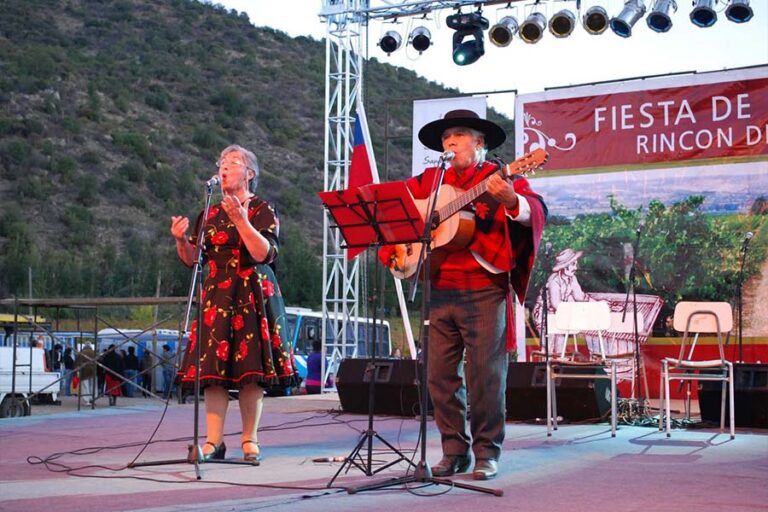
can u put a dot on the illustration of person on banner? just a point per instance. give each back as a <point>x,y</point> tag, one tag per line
<point>473,289</point>
<point>562,286</point>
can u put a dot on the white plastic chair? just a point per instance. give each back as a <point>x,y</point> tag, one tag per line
<point>694,318</point>
<point>573,318</point>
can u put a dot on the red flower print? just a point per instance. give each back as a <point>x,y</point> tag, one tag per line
<point>220,238</point>
<point>245,273</point>
<point>212,212</point>
<point>287,366</point>
<point>209,316</point>
<point>222,351</point>
<point>191,371</point>
<point>264,329</point>
<point>481,210</point>
<point>225,283</point>
<point>276,341</point>
<point>212,269</point>
<point>243,349</point>
<point>251,300</point>
<point>238,322</point>
<point>268,288</point>
<point>192,337</point>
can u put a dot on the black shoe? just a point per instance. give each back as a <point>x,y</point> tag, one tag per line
<point>217,453</point>
<point>485,469</point>
<point>252,457</point>
<point>451,464</point>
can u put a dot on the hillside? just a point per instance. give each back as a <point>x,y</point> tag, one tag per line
<point>112,114</point>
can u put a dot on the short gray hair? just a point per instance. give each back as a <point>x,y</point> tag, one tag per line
<point>251,162</point>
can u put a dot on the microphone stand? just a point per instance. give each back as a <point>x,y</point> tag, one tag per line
<point>739,283</point>
<point>196,293</point>
<point>423,473</point>
<point>545,302</point>
<point>631,287</point>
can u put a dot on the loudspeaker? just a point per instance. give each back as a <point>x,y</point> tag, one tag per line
<point>395,390</point>
<point>577,399</point>
<point>750,391</point>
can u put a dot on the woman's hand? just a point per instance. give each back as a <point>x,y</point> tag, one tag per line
<point>179,226</point>
<point>237,213</point>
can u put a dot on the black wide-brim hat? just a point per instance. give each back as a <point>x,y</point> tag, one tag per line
<point>431,134</point>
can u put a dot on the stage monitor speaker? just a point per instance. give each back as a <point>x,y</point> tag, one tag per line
<point>750,397</point>
<point>396,391</point>
<point>577,399</point>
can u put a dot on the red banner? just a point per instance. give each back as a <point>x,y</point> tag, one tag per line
<point>691,122</point>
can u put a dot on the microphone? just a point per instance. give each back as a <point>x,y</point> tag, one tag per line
<point>447,156</point>
<point>641,222</point>
<point>215,180</point>
<point>329,459</point>
<point>747,238</point>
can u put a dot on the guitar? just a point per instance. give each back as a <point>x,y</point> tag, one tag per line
<point>454,232</point>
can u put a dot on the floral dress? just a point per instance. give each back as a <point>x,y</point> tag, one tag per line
<point>243,336</point>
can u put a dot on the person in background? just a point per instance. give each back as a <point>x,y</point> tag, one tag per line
<point>314,369</point>
<point>113,385</point>
<point>242,341</point>
<point>86,362</point>
<point>147,369</point>
<point>69,366</point>
<point>169,370</point>
<point>131,370</point>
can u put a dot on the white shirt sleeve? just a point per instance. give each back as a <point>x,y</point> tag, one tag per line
<point>523,211</point>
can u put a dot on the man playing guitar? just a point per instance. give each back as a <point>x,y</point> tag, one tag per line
<point>473,287</point>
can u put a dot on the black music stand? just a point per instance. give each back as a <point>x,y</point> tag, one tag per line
<point>371,216</point>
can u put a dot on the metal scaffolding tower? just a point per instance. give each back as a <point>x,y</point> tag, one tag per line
<point>347,23</point>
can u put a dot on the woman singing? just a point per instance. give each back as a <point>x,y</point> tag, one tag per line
<point>242,338</point>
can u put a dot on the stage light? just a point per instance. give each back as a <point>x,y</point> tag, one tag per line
<point>502,32</point>
<point>595,20</point>
<point>420,39</point>
<point>739,11</point>
<point>703,15</point>
<point>622,24</point>
<point>658,20</point>
<point>562,23</point>
<point>470,27</point>
<point>390,42</point>
<point>533,28</point>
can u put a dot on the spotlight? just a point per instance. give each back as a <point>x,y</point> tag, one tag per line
<point>622,24</point>
<point>466,25</point>
<point>562,23</point>
<point>739,11</point>
<point>703,15</point>
<point>533,28</point>
<point>595,21</point>
<point>390,41</point>
<point>502,32</point>
<point>658,20</point>
<point>420,39</point>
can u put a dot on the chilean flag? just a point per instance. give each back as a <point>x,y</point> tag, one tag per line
<point>362,168</point>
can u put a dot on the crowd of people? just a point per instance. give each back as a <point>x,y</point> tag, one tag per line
<point>115,372</point>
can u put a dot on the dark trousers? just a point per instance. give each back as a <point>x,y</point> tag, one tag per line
<point>468,326</point>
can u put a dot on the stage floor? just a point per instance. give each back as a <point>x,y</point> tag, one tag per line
<point>579,468</point>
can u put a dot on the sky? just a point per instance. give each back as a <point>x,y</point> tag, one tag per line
<point>581,58</point>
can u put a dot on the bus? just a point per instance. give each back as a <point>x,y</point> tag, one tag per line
<point>305,326</point>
